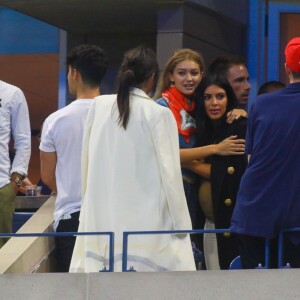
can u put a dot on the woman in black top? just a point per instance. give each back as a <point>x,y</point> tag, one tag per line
<point>220,175</point>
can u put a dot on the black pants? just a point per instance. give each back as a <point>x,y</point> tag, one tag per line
<point>64,245</point>
<point>252,252</point>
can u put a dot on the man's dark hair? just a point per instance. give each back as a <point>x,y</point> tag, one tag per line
<point>90,61</point>
<point>221,65</point>
<point>270,86</point>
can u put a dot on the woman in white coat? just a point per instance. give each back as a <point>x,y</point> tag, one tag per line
<point>132,178</point>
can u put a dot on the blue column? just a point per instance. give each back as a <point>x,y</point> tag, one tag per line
<point>256,45</point>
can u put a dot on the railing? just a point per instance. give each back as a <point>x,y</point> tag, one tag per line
<point>281,247</point>
<point>55,234</point>
<point>266,264</point>
<point>126,234</point>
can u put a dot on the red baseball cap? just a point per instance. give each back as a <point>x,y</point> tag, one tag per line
<point>292,54</point>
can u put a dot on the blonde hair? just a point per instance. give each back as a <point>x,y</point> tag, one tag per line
<point>177,57</point>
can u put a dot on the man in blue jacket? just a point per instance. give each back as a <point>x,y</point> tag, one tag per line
<point>268,199</point>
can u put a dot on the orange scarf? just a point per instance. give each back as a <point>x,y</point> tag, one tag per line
<point>181,107</point>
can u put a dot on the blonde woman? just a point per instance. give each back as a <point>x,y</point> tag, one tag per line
<point>177,88</point>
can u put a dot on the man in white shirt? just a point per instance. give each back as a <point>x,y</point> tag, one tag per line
<point>61,145</point>
<point>14,123</point>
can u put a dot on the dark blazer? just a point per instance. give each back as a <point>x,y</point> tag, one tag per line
<point>226,173</point>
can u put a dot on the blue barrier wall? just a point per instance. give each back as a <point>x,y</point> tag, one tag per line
<point>21,34</point>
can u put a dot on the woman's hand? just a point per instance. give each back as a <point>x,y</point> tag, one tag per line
<point>231,146</point>
<point>236,114</point>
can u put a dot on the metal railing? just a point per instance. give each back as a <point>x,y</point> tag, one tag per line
<point>126,235</point>
<point>266,264</point>
<point>281,245</point>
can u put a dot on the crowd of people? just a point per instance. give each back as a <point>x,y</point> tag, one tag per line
<point>124,162</point>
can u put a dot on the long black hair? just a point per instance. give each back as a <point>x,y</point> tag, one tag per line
<point>137,67</point>
<point>206,131</point>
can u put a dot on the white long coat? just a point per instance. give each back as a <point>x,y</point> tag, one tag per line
<point>132,182</point>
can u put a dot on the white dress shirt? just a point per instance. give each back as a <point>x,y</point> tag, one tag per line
<point>14,122</point>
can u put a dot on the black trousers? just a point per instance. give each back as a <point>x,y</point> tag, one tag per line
<point>252,252</point>
<point>64,245</point>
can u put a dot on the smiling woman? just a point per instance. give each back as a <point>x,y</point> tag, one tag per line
<point>180,79</point>
<point>186,77</point>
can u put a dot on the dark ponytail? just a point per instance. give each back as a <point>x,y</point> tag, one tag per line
<point>137,66</point>
<point>126,79</point>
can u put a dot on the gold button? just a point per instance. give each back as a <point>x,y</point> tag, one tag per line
<point>230,170</point>
<point>226,234</point>
<point>228,202</point>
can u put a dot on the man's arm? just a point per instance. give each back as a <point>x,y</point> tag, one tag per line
<point>48,166</point>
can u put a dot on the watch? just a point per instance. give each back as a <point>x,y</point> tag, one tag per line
<point>17,179</point>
